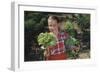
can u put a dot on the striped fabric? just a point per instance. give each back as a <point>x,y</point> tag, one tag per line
<point>59,47</point>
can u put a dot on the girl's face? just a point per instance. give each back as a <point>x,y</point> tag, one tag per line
<point>53,25</point>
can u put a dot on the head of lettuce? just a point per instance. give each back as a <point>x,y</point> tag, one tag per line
<point>46,39</point>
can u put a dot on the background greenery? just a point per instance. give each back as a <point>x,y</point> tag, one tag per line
<point>77,25</point>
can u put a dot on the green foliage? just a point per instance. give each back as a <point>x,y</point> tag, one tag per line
<point>74,45</point>
<point>46,39</point>
<point>72,54</point>
<point>84,21</point>
<point>35,21</point>
<point>69,28</point>
<point>71,41</point>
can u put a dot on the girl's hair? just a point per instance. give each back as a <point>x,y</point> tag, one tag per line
<point>59,19</point>
<point>54,17</point>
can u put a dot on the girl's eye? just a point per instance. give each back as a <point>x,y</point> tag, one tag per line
<point>50,25</point>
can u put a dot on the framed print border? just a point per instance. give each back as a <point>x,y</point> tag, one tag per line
<point>17,35</point>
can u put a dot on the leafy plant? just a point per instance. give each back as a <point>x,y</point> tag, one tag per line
<point>73,47</point>
<point>69,27</point>
<point>71,41</point>
<point>46,39</point>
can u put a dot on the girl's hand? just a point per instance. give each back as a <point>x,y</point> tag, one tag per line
<point>47,52</point>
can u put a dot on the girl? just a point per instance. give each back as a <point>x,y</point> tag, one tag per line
<point>57,52</point>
